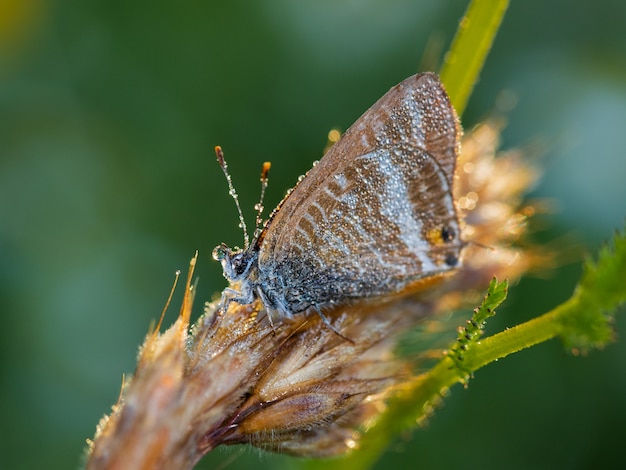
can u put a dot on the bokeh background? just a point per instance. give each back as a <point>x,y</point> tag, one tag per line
<point>109,111</point>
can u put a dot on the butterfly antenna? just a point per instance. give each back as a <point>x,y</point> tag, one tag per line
<point>231,190</point>
<point>259,206</point>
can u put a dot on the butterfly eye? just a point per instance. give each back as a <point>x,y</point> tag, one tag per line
<point>219,252</point>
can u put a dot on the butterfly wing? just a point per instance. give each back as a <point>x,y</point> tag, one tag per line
<point>376,213</point>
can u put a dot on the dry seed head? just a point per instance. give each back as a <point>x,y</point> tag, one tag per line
<point>299,388</point>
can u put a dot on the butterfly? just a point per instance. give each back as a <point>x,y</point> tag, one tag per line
<point>374,217</point>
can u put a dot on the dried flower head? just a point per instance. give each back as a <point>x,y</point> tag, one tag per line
<point>299,387</point>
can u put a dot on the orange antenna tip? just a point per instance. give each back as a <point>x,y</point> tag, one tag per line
<point>265,170</point>
<point>220,155</point>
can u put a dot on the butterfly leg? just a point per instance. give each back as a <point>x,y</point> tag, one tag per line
<point>232,295</point>
<point>330,326</point>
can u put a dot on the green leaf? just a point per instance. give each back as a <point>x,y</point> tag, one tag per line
<point>601,290</point>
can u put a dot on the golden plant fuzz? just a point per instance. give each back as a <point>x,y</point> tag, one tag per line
<point>298,387</point>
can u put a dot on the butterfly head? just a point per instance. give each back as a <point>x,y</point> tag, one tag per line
<point>236,263</point>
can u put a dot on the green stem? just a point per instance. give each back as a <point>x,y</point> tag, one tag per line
<point>470,47</point>
<point>535,331</point>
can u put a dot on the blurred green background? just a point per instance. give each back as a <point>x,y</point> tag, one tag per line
<point>109,111</point>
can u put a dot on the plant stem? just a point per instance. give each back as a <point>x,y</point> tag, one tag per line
<point>464,61</point>
<point>520,337</point>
